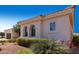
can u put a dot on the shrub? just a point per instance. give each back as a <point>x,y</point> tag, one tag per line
<point>1,41</point>
<point>25,51</point>
<point>75,40</point>
<point>43,46</point>
<point>50,47</point>
<point>28,42</point>
<point>11,40</point>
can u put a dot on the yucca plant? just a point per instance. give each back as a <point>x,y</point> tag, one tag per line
<point>50,47</point>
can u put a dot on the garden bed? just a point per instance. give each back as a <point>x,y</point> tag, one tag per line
<point>44,46</point>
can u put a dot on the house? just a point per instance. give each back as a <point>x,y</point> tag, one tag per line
<point>58,25</point>
<point>10,34</point>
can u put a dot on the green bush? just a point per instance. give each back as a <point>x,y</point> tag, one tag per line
<point>2,41</point>
<point>43,46</point>
<point>25,51</point>
<point>28,42</point>
<point>75,40</point>
<point>50,47</point>
<point>11,40</point>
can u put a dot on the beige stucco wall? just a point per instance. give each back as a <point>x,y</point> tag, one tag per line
<point>62,31</point>
<point>64,25</point>
<point>37,26</point>
<point>11,31</point>
<point>43,28</point>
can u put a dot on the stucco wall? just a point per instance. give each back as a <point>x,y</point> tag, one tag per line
<point>12,32</point>
<point>37,26</point>
<point>62,31</point>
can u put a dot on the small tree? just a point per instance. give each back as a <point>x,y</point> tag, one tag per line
<point>2,34</point>
<point>17,29</point>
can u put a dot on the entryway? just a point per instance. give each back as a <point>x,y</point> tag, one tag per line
<point>8,36</point>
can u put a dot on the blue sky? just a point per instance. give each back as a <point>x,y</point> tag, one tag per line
<point>11,14</point>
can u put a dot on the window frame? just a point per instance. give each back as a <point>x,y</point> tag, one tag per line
<point>25,28</point>
<point>52,28</point>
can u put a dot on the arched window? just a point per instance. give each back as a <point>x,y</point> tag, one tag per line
<point>52,26</point>
<point>25,31</point>
<point>33,30</point>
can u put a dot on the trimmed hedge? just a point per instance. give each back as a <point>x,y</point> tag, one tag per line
<point>26,42</point>
<point>11,40</point>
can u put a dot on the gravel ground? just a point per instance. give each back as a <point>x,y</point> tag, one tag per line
<point>10,48</point>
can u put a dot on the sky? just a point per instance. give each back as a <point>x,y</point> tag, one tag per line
<point>11,14</point>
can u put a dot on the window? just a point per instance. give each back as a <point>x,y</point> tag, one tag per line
<point>52,26</point>
<point>33,31</point>
<point>25,31</point>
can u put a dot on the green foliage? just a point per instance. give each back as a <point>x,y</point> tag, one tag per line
<point>16,28</point>
<point>27,42</point>
<point>50,47</point>
<point>8,41</point>
<point>2,34</point>
<point>11,40</point>
<point>44,46</point>
<point>2,41</point>
<point>75,40</point>
<point>25,51</point>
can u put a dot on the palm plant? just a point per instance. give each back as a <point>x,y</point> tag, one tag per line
<point>17,29</point>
